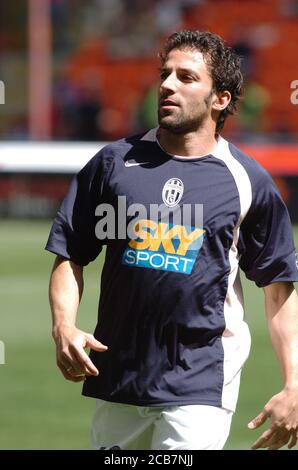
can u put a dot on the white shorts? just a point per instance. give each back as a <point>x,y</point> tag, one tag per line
<point>193,427</point>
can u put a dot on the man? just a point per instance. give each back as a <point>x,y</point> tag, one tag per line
<point>170,343</point>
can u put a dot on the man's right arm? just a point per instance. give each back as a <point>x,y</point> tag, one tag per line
<point>65,291</point>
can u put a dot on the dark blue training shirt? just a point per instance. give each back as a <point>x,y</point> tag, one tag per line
<point>171,305</point>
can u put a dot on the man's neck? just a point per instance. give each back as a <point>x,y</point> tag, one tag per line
<point>188,145</point>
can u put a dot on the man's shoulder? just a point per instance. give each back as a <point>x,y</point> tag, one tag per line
<point>122,146</point>
<point>107,156</point>
<point>255,171</point>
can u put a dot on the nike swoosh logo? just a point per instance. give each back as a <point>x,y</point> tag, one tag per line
<point>129,164</point>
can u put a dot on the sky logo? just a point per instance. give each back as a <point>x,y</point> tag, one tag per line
<point>163,246</point>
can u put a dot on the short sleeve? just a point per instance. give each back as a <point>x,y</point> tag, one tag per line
<point>73,231</point>
<point>266,246</point>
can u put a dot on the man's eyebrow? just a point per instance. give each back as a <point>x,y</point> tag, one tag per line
<point>180,69</point>
<point>163,69</point>
<point>190,71</point>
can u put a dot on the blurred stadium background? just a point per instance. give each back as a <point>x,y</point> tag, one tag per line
<point>74,74</point>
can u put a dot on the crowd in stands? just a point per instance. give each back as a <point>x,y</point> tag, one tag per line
<point>105,64</point>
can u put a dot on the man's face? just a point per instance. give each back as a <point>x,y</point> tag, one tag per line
<point>185,92</point>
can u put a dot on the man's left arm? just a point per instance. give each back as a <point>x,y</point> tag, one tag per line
<point>281,302</point>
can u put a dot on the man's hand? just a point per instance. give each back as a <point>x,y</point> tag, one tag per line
<point>282,410</point>
<point>72,359</point>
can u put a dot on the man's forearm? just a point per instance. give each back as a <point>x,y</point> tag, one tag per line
<point>65,291</point>
<point>282,315</point>
<point>66,288</point>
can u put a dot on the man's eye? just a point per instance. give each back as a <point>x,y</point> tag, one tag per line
<point>163,75</point>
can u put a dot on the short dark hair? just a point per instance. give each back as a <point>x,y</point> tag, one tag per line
<point>222,61</point>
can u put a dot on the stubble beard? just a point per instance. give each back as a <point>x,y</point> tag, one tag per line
<point>179,122</point>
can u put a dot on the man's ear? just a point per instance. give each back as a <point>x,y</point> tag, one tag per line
<point>221,100</point>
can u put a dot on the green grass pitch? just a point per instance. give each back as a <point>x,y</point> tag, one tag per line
<point>39,409</point>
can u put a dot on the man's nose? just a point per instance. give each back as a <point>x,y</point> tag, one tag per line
<point>169,83</point>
